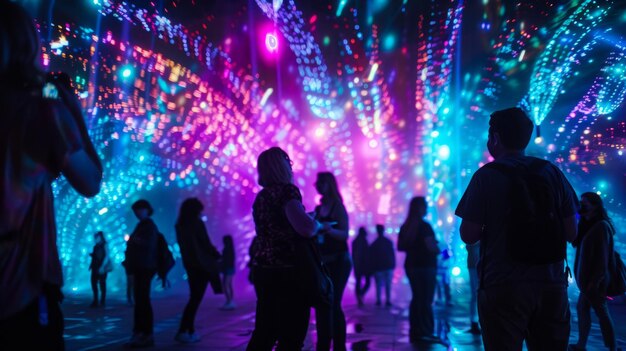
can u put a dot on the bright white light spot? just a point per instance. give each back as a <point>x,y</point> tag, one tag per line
<point>271,42</point>
<point>444,152</point>
<point>456,271</point>
<point>276,4</point>
<point>319,132</point>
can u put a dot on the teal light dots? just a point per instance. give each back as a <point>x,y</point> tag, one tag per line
<point>554,67</point>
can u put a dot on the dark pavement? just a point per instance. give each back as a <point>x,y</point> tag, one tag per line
<point>369,327</point>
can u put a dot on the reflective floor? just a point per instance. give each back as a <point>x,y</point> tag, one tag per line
<point>369,327</point>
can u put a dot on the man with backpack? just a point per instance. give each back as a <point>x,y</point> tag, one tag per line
<point>523,211</point>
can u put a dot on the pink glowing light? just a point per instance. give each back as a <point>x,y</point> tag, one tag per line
<point>271,42</point>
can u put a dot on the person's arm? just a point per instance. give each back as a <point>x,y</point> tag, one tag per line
<point>205,241</point>
<point>570,227</point>
<point>105,260</point>
<point>568,207</point>
<point>472,208</point>
<point>341,229</point>
<point>470,232</point>
<point>82,168</point>
<point>300,220</point>
<point>429,240</point>
<point>82,174</point>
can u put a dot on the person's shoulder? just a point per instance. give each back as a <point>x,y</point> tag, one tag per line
<point>602,226</point>
<point>291,190</point>
<point>488,169</point>
<point>52,107</point>
<point>149,223</point>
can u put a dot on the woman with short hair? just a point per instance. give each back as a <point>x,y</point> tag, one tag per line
<point>282,311</point>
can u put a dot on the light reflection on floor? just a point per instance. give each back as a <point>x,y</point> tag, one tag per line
<point>369,328</point>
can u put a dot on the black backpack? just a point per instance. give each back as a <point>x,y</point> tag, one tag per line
<point>165,259</point>
<point>617,273</point>
<point>534,229</point>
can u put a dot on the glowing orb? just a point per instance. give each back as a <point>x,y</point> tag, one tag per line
<point>126,72</point>
<point>271,42</point>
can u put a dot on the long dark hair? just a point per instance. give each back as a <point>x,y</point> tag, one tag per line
<point>19,49</point>
<point>413,216</point>
<point>599,214</point>
<point>333,194</point>
<point>20,79</point>
<point>190,209</point>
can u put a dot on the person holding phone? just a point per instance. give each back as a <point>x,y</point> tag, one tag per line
<point>40,139</point>
<point>333,244</point>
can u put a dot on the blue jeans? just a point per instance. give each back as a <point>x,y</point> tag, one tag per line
<point>383,279</point>
<point>537,313</point>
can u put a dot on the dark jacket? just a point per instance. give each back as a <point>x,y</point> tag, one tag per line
<point>97,257</point>
<point>141,247</point>
<point>196,248</point>
<point>360,256</point>
<point>591,266</point>
<point>382,255</point>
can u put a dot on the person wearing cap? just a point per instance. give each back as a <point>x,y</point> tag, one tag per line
<point>141,261</point>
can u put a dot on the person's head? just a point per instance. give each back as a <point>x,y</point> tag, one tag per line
<point>19,47</point>
<point>380,229</point>
<point>417,208</point>
<point>142,209</point>
<point>326,185</point>
<point>362,233</point>
<point>591,211</point>
<point>190,209</point>
<point>227,240</point>
<point>592,206</point>
<point>99,237</point>
<point>274,167</point>
<point>509,131</point>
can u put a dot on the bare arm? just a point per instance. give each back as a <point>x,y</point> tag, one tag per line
<point>300,220</point>
<point>82,174</point>
<point>341,229</point>
<point>339,234</point>
<point>470,232</point>
<point>82,168</point>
